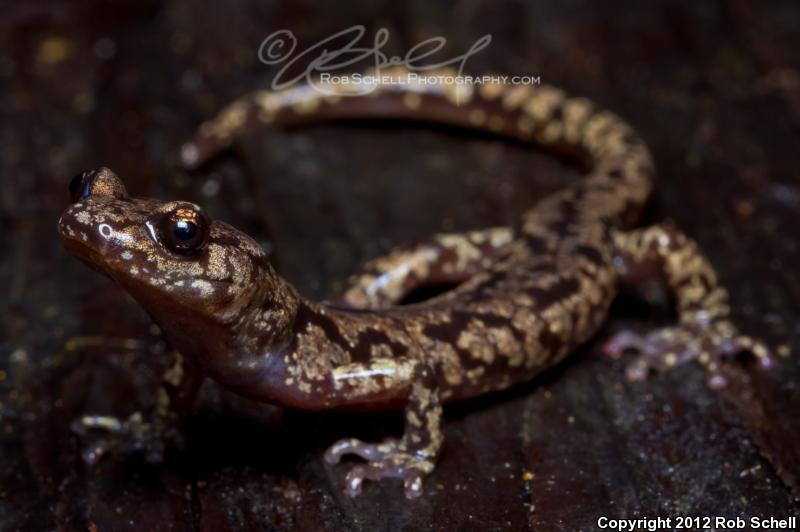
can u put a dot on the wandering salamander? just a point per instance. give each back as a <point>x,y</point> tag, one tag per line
<point>526,296</point>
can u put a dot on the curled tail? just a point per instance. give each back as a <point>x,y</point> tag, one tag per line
<point>617,158</point>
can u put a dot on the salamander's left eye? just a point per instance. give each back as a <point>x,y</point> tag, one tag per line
<point>183,230</point>
<point>101,183</point>
<point>80,186</point>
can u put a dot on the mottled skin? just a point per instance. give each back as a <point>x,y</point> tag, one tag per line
<point>528,295</point>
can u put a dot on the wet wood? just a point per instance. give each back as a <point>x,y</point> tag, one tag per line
<point>712,87</point>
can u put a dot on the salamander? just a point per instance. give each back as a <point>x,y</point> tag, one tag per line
<point>524,297</point>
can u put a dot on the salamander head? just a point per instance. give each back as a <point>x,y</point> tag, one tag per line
<point>188,271</point>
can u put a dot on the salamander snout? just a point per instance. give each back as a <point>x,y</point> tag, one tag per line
<point>101,182</point>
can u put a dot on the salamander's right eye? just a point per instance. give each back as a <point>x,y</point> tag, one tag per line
<point>183,230</point>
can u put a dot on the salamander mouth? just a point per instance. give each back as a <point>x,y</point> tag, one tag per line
<point>85,253</point>
<point>82,241</point>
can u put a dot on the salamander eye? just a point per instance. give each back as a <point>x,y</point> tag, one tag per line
<point>183,230</point>
<point>99,183</point>
<point>80,186</point>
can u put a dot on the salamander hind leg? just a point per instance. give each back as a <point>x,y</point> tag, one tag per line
<point>704,331</point>
<point>411,457</point>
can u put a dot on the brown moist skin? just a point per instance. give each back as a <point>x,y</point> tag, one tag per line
<point>528,295</point>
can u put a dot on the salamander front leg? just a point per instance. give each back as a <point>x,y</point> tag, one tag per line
<point>443,259</point>
<point>151,433</point>
<point>704,331</point>
<point>411,457</point>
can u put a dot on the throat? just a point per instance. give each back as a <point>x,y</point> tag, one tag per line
<point>249,361</point>
<point>266,327</point>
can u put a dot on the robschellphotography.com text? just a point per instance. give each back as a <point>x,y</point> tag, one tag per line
<point>698,523</point>
<point>420,78</point>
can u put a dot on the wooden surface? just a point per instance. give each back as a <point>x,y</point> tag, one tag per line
<point>714,88</point>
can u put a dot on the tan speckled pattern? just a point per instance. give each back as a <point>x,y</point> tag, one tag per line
<point>526,297</point>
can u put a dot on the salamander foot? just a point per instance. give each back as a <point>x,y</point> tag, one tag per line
<point>709,344</point>
<point>125,436</point>
<point>390,459</point>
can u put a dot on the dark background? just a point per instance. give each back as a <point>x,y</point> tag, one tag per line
<point>714,87</point>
